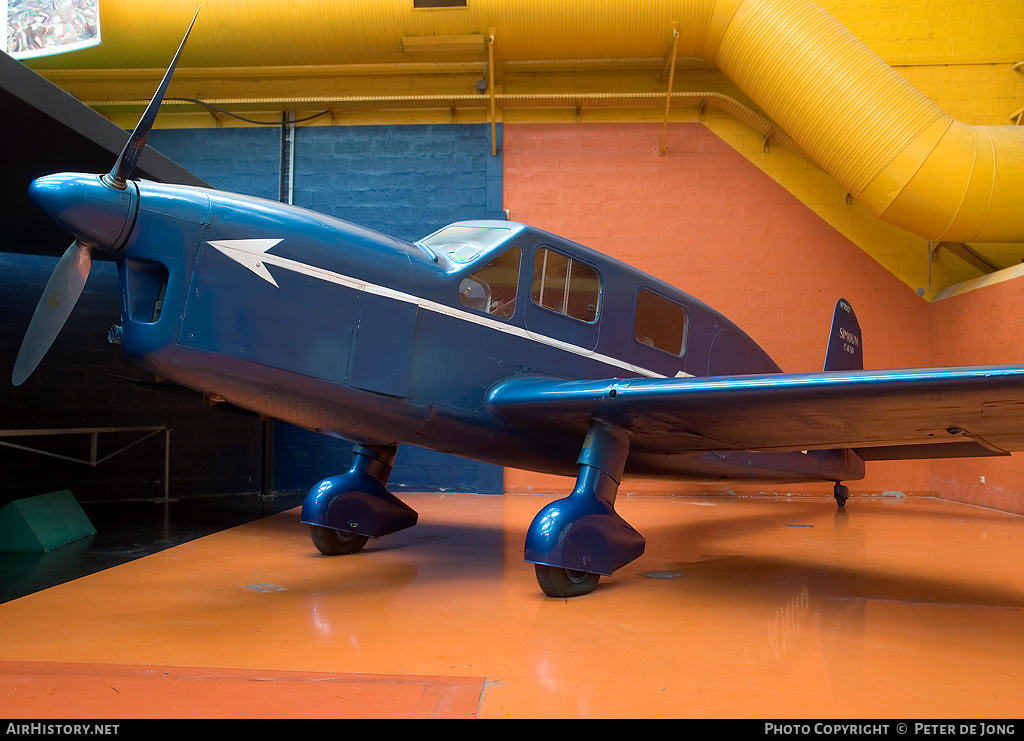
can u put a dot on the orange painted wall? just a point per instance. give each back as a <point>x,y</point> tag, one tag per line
<point>710,222</point>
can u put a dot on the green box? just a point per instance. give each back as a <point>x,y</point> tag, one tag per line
<point>43,523</point>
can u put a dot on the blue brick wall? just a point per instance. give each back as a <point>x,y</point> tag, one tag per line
<point>238,160</point>
<point>403,180</point>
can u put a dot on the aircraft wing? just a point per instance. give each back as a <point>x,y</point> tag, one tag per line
<point>883,414</point>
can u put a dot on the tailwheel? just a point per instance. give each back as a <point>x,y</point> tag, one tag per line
<point>331,542</point>
<point>559,582</point>
<point>841,493</point>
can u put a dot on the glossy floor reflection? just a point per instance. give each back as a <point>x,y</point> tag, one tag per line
<point>748,608</point>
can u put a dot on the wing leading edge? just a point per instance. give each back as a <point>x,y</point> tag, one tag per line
<point>883,415</point>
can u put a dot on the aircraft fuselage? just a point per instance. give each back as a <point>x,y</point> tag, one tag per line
<point>351,333</point>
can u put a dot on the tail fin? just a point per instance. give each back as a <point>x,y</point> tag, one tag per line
<point>845,351</point>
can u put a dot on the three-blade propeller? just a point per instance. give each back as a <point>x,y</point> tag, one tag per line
<point>68,279</point>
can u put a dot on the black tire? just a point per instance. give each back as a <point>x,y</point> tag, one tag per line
<point>331,542</point>
<point>842,494</point>
<point>557,582</point>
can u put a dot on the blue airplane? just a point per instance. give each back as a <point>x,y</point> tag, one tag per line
<point>491,340</point>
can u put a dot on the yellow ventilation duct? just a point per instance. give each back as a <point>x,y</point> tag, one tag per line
<point>893,149</point>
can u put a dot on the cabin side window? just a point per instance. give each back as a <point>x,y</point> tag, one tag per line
<point>564,285</point>
<point>492,288</point>
<point>660,323</point>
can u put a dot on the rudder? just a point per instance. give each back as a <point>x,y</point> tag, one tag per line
<point>845,351</point>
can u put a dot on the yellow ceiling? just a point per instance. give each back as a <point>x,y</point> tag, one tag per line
<point>259,33</point>
<point>374,61</point>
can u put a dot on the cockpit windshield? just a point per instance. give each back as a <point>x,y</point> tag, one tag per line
<point>464,243</point>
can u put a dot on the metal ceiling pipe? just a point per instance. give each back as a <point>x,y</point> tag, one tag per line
<point>892,148</point>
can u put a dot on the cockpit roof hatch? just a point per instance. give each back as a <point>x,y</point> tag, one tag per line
<point>465,242</point>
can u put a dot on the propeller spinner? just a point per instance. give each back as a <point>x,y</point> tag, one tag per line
<point>100,211</point>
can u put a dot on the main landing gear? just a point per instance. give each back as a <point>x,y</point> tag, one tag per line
<point>574,541</point>
<point>841,493</point>
<point>345,511</point>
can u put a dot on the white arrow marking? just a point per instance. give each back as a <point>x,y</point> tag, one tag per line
<point>248,252</point>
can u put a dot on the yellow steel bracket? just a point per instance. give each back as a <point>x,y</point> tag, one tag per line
<point>671,68</point>
<point>490,90</point>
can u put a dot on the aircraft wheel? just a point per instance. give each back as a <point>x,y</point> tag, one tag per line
<point>841,493</point>
<point>333,542</point>
<point>558,582</point>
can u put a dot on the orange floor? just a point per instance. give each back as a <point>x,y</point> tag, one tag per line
<point>741,608</point>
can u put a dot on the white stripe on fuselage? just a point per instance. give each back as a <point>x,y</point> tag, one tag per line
<point>252,253</point>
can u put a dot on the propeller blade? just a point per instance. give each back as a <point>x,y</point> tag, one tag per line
<point>129,156</point>
<point>58,299</point>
